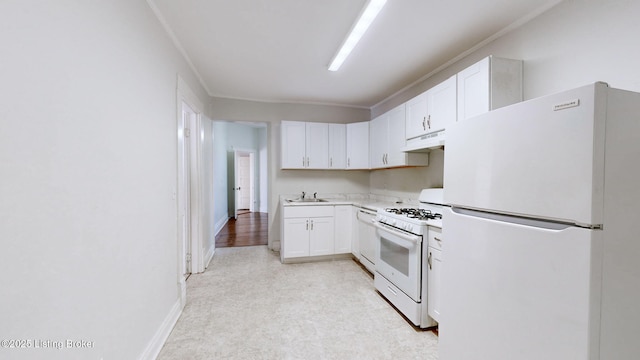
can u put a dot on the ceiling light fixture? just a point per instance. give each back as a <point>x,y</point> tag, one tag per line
<point>365,19</point>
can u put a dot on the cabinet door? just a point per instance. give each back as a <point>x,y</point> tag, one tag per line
<point>343,221</point>
<point>337,146</point>
<point>295,237</point>
<point>441,105</point>
<point>293,140</point>
<point>416,119</point>
<point>433,285</point>
<point>473,90</point>
<point>317,145</point>
<point>358,145</point>
<point>378,143</point>
<point>396,137</point>
<point>321,236</point>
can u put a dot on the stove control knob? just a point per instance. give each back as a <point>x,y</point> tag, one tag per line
<point>409,227</point>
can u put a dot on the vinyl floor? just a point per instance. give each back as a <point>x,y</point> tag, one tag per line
<point>247,305</point>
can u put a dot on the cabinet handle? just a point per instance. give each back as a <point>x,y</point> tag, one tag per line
<point>424,126</point>
<point>311,224</point>
<point>436,238</point>
<point>303,161</point>
<point>307,224</point>
<point>429,260</point>
<point>348,162</point>
<point>429,121</point>
<point>330,162</point>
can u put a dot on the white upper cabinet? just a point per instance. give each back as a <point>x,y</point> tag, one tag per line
<point>293,141</point>
<point>487,85</point>
<point>304,145</point>
<point>396,137</point>
<point>378,141</point>
<point>441,105</point>
<point>388,138</point>
<point>416,121</point>
<point>358,145</point>
<point>337,146</point>
<point>317,145</point>
<point>432,110</point>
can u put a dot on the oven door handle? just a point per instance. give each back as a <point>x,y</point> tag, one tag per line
<point>414,239</point>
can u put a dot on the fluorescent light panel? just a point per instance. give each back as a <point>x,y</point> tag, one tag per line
<point>366,18</point>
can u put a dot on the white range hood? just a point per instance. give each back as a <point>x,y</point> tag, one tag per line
<point>425,143</point>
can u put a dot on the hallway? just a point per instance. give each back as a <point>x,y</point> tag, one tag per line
<point>248,305</point>
<point>249,229</point>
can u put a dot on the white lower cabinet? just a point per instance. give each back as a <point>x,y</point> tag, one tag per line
<point>434,261</point>
<point>296,233</point>
<point>343,221</point>
<point>308,231</point>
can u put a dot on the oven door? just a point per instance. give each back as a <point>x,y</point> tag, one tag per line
<point>400,259</point>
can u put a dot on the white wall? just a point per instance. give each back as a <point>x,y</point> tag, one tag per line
<point>208,194</point>
<point>88,162</point>
<point>406,183</point>
<point>220,183</point>
<point>263,173</point>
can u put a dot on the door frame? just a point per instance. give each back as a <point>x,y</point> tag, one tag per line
<point>252,188</point>
<point>189,140</point>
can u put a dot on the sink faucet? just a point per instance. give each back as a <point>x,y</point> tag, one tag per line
<point>315,194</point>
<point>303,194</point>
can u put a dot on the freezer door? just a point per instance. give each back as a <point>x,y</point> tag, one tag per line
<point>541,158</point>
<point>513,291</point>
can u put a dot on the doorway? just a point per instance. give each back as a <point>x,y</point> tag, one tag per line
<point>244,182</point>
<point>242,155</point>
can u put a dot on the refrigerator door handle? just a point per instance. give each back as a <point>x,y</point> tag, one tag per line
<point>513,219</point>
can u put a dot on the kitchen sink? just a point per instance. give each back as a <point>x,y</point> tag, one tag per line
<point>310,200</point>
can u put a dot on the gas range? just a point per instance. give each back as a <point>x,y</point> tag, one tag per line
<point>415,219</point>
<point>403,259</point>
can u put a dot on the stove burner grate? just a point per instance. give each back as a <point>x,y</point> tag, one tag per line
<point>413,213</point>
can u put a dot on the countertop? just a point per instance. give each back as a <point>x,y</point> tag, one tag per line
<point>369,201</point>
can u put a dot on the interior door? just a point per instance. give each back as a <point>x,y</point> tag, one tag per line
<point>243,182</point>
<point>518,291</point>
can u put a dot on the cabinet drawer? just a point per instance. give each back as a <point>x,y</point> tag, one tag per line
<point>307,211</point>
<point>435,237</point>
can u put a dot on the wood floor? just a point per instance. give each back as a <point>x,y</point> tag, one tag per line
<point>250,229</point>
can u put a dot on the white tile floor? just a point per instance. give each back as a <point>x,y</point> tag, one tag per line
<point>248,305</point>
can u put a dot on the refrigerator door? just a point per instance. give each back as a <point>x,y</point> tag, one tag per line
<point>514,291</point>
<point>541,158</point>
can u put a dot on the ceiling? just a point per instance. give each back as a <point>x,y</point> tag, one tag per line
<point>279,50</point>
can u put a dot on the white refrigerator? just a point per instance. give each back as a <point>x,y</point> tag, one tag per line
<point>542,258</point>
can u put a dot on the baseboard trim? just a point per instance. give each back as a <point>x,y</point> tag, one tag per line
<point>162,334</point>
<point>220,224</point>
<point>209,256</point>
